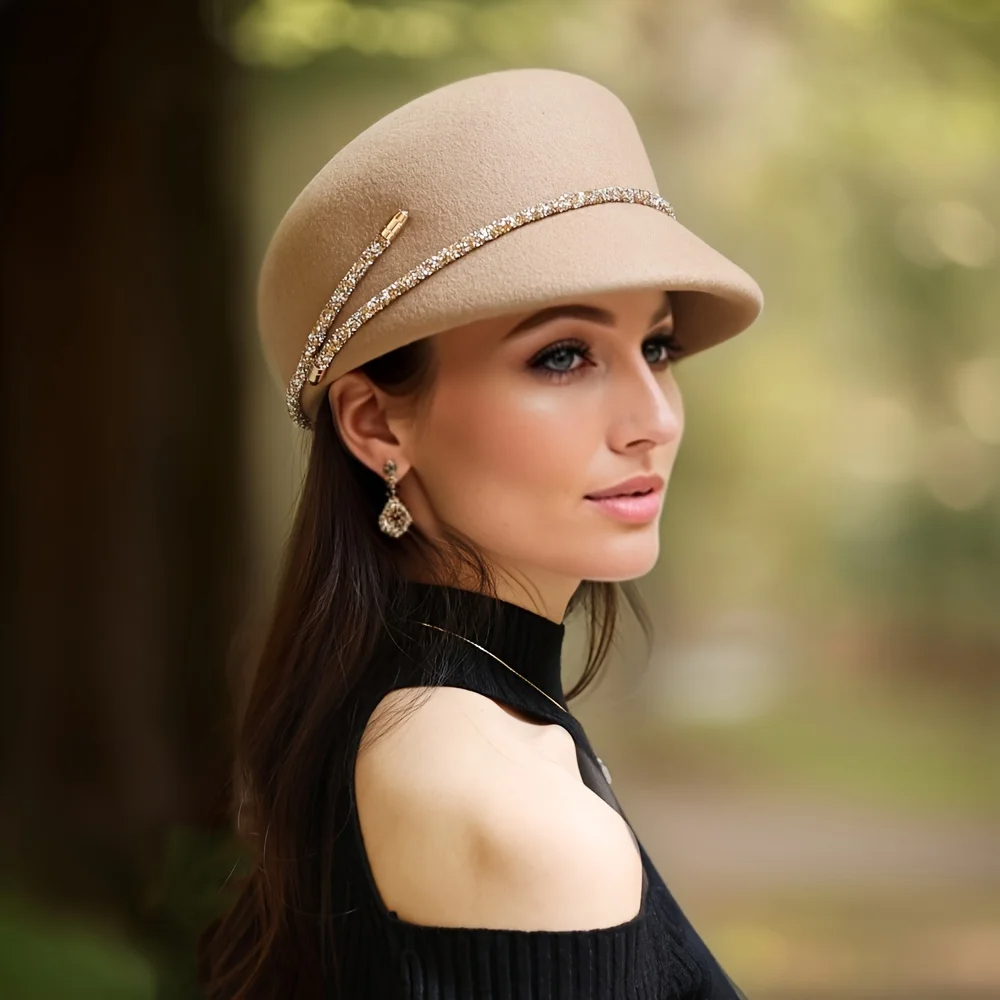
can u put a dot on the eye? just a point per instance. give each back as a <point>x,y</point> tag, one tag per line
<point>559,354</point>
<point>556,362</point>
<point>663,348</point>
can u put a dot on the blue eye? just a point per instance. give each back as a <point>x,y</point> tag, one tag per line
<point>669,343</point>
<point>565,350</point>
<point>556,361</point>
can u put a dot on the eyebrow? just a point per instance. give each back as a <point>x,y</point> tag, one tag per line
<point>580,311</point>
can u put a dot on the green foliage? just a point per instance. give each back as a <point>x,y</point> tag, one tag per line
<point>44,957</point>
<point>47,954</point>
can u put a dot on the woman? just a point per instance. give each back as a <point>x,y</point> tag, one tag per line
<point>494,419</point>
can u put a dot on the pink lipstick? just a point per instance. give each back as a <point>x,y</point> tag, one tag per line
<point>635,500</point>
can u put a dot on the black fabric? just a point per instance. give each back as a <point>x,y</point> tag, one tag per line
<point>657,955</point>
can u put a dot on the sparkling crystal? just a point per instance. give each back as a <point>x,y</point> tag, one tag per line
<point>395,518</point>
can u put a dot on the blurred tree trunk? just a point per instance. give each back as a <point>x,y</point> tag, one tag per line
<point>122,508</point>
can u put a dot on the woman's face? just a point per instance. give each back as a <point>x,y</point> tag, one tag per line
<point>531,414</point>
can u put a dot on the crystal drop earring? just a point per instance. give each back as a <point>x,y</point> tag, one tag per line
<point>395,518</point>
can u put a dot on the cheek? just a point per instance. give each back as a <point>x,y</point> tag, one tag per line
<point>501,443</point>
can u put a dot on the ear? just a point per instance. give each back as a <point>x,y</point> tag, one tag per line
<point>361,413</point>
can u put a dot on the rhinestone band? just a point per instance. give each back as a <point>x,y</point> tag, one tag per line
<point>320,349</point>
<point>330,311</point>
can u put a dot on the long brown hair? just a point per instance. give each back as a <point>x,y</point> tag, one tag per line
<point>340,576</point>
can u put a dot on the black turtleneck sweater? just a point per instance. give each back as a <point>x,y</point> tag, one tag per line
<point>655,956</point>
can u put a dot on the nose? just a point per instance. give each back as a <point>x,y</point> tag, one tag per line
<point>647,410</point>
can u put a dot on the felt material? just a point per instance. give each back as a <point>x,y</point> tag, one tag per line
<point>456,159</point>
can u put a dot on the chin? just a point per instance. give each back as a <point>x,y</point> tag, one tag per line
<point>621,559</point>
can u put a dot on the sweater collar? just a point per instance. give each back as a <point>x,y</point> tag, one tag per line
<point>528,642</point>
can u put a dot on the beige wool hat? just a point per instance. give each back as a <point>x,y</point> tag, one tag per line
<point>500,193</point>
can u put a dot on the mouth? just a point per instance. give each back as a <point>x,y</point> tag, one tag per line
<point>614,496</point>
<point>636,486</point>
<point>634,506</point>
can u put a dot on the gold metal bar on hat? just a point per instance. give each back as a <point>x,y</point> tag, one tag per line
<point>395,224</point>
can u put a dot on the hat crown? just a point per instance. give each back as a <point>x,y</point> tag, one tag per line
<point>455,158</point>
<point>484,146</point>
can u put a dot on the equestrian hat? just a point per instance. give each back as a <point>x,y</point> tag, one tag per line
<point>496,194</point>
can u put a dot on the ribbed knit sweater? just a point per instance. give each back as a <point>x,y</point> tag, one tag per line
<point>657,955</point>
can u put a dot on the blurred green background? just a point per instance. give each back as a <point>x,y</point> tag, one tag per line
<point>810,750</point>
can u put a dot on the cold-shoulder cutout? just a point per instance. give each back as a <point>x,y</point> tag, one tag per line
<point>467,822</point>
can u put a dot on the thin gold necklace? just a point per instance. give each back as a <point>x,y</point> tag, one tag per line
<point>604,767</point>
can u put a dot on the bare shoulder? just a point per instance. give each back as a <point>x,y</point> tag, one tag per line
<point>468,822</point>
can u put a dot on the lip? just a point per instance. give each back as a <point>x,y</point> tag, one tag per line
<point>616,502</point>
<point>637,484</point>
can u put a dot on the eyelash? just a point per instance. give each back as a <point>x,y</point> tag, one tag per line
<point>572,345</point>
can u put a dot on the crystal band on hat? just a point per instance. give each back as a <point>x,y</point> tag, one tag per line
<point>320,349</point>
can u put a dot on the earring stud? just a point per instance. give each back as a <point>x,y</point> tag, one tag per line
<point>395,518</point>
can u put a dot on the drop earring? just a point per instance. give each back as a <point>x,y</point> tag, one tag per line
<point>395,518</point>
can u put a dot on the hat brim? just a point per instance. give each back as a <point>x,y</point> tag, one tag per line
<point>595,249</point>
